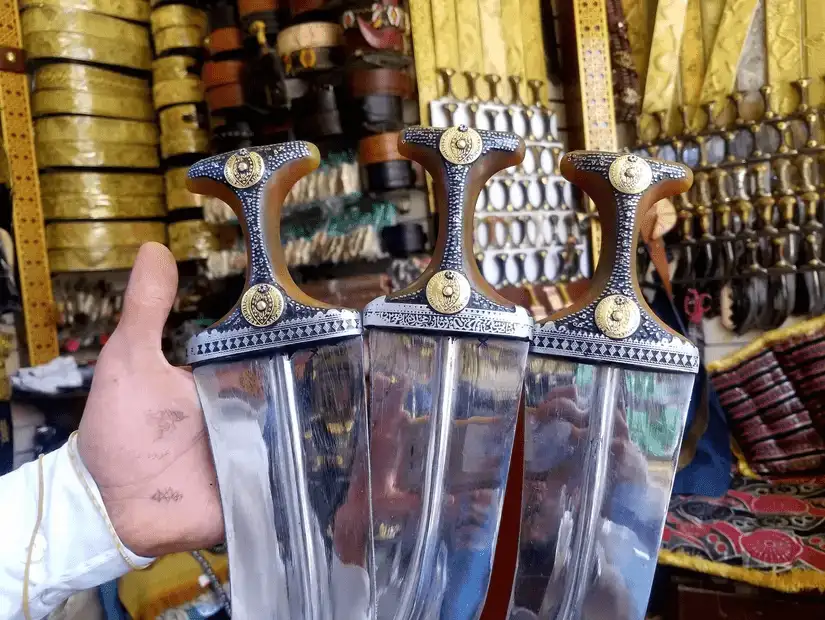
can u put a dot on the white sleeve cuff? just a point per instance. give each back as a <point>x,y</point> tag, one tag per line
<point>91,485</point>
<point>74,548</point>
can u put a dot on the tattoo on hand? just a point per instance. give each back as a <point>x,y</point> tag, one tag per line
<point>167,420</point>
<point>167,495</point>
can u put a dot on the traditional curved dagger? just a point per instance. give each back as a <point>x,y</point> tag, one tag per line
<point>280,379</point>
<point>447,359</point>
<point>607,391</point>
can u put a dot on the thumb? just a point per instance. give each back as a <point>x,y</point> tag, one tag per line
<point>153,285</point>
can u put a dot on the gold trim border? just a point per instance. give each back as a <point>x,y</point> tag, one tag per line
<point>29,242</point>
<point>795,580</point>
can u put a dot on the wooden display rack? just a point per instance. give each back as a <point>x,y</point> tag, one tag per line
<point>29,233</point>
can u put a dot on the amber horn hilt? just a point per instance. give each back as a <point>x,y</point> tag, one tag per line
<point>254,183</point>
<point>624,187</point>
<point>460,160</point>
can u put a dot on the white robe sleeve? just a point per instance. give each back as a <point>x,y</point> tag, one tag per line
<point>74,548</point>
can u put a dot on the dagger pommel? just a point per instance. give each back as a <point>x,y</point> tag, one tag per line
<point>612,320</point>
<point>460,160</point>
<point>272,311</point>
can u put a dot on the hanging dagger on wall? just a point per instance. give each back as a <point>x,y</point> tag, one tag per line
<point>447,359</point>
<point>607,391</point>
<point>281,382</point>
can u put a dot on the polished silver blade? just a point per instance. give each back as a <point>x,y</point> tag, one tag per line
<point>601,444</point>
<point>288,438</point>
<point>443,415</point>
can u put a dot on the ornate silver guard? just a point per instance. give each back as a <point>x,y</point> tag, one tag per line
<point>480,315</point>
<point>281,322</point>
<point>579,335</point>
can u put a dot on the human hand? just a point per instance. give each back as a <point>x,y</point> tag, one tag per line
<point>142,436</point>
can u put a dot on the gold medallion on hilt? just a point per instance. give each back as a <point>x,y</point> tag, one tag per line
<point>617,316</point>
<point>244,169</point>
<point>262,305</point>
<point>448,292</point>
<point>630,174</point>
<point>460,145</point>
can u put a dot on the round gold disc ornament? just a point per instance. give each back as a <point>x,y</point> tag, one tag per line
<point>448,292</point>
<point>262,305</point>
<point>617,316</point>
<point>244,169</point>
<point>630,174</point>
<point>460,145</point>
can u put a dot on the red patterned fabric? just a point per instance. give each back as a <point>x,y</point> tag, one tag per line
<point>769,526</point>
<point>775,402</point>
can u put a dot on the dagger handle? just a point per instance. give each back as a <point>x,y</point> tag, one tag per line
<point>254,183</point>
<point>624,188</point>
<point>460,160</point>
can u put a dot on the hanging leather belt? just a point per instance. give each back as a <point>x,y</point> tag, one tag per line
<point>313,59</point>
<point>83,78</point>
<point>316,113</point>
<point>177,195</point>
<point>87,48</point>
<point>174,92</point>
<point>223,81</point>
<point>386,169</point>
<point>101,195</point>
<point>178,39</point>
<point>90,128</point>
<point>101,207</point>
<point>173,68</point>
<point>63,235</point>
<point>59,101</point>
<point>183,131</point>
<point>42,19</point>
<point>299,7</point>
<point>259,17</point>
<point>173,15</point>
<point>116,184</point>
<point>133,10</point>
<point>378,99</point>
<point>233,134</point>
<point>196,239</point>
<point>92,246</point>
<point>220,73</point>
<point>309,35</point>
<point>92,259</point>
<point>224,41</point>
<point>221,98</point>
<point>90,154</point>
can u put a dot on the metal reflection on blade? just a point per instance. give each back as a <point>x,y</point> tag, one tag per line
<point>596,486</point>
<point>447,357</point>
<point>439,460</point>
<point>281,382</point>
<point>297,504</point>
<point>608,387</point>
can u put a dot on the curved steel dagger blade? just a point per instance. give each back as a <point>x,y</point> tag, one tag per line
<point>281,382</point>
<point>607,391</point>
<point>447,362</point>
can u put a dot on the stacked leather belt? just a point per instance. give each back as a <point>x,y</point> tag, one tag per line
<point>178,29</point>
<point>179,33</point>
<point>313,54</point>
<point>385,169</point>
<point>378,98</point>
<point>95,133</point>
